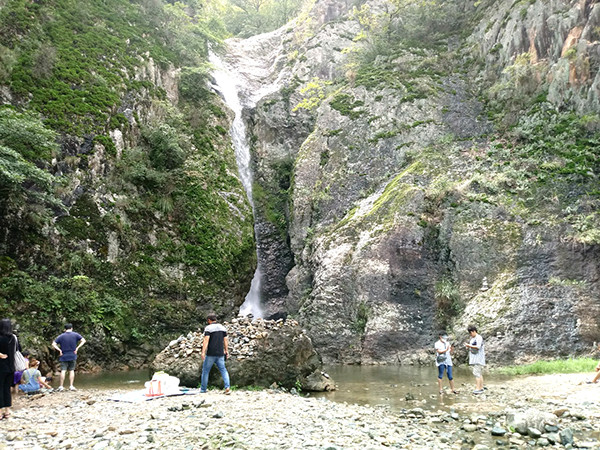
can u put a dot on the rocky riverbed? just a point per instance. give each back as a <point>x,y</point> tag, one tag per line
<point>555,411</point>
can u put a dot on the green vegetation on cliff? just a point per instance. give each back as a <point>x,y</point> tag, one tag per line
<point>132,239</point>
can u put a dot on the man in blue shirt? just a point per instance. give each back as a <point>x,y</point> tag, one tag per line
<point>67,344</point>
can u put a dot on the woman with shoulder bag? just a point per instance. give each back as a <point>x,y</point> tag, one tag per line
<point>8,345</point>
<point>443,361</point>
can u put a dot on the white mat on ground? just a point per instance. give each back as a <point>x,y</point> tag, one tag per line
<point>140,396</point>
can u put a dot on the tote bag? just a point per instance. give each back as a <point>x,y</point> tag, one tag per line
<point>20,361</point>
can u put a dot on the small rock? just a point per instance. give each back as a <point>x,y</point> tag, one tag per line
<point>521,428</point>
<point>543,442</point>
<point>553,438</point>
<point>516,441</point>
<point>498,431</point>
<point>101,445</point>
<point>566,436</point>
<point>469,427</point>
<point>418,412</point>
<point>586,444</point>
<point>561,411</point>
<point>534,433</point>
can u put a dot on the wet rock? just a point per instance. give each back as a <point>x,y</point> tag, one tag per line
<point>318,381</point>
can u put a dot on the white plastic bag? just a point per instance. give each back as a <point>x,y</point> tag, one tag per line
<point>162,384</point>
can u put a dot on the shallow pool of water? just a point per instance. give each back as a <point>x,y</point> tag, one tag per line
<point>372,385</point>
<point>390,386</point>
<point>131,379</point>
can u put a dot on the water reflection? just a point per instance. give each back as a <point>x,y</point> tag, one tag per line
<point>391,385</point>
<point>131,379</point>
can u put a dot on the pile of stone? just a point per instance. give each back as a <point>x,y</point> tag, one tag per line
<point>261,352</point>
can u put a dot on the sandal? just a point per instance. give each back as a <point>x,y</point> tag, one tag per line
<point>455,392</point>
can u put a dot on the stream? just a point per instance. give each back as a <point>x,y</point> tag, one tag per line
<point>363,385</point>
<point>390,385</point>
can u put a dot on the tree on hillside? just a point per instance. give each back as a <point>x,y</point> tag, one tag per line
<point>26,191</point>
<point>246,18</point>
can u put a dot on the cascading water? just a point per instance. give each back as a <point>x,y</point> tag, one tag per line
<point>230,90</point>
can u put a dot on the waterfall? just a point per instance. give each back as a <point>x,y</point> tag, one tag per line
<point>230,89</point>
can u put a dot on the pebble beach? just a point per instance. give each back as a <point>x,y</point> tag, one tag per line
<point>277,419</point>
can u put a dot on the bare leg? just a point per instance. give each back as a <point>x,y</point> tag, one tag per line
<point>479,383</point>
<point>440,384</point>
<point>596,378</point>
<point>452,385</point>
<point>71,377</point>
<point>62,377</point>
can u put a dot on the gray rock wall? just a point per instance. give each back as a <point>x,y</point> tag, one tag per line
<point>396,223</point>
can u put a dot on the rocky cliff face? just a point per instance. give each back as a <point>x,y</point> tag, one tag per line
<point>397,199</point>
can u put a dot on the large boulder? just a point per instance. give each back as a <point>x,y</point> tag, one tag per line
<point>261,352</point>
<point>524,420</point>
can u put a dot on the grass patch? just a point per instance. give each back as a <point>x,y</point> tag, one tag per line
<point>571,365</point>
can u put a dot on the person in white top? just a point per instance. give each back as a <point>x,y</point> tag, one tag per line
<point>476,357</point>
<point>443,361</point>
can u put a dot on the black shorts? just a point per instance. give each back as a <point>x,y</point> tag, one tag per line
<point>67,365</point>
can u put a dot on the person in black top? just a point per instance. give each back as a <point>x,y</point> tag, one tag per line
<point>8,345</point>
<point>215,348</point>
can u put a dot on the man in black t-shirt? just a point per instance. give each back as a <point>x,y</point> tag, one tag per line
<point>215,348</point>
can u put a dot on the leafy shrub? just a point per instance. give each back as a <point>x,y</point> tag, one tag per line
<point>165,151</point>
<point>448,300</point>
<point>192,84</point>
<point>26,134</point>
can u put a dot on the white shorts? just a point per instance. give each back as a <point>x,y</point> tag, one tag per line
<point>477,370</point>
